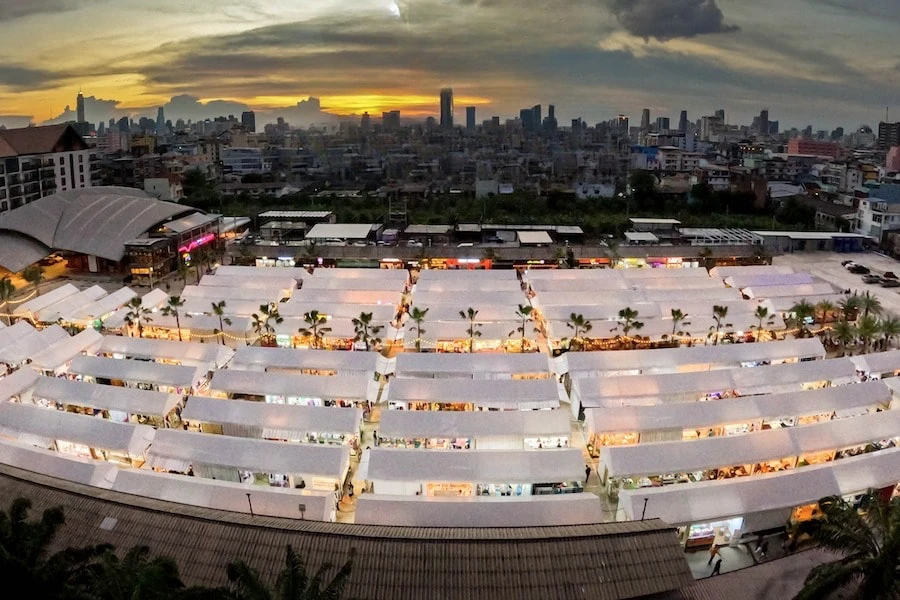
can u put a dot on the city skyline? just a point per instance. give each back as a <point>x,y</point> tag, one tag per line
<point>593,59</point>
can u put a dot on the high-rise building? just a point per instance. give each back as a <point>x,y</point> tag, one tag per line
<point>526,116</point>
<point>764,121</point>
<point>720,115</point>
<point>390,121</point>
<point>622,125</point>
<point>550,123</point>
<point>683,122</point>
<point>470,118</point>
<point>79,107</point>
<point>248,120</point>
<point>888,135</point>
<point>160,121</point>
<point>365,123</point>
<point>536,117</point>
<point>447,108</point>
<point>645,120</point>
<point>774,127</point>
<point>662,124</point>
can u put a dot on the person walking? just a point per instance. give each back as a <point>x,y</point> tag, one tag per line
<point>717,570</point>
<point>713,552</point>
<point>587,473</point>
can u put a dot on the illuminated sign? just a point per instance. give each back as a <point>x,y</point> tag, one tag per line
<point>198,242</point>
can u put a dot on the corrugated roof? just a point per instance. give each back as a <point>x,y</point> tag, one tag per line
<point>39,140</point>
<point>189,222</point>
<point>616,560</point>
<point>339,231</point>
<point>534,237</point>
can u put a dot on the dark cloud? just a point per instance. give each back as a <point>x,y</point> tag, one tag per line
<point>14,9</point>
<point>14,121</point>
<point>669,19</point>
<point>20,78</point>
<point>186,107</point>
<point>95,110</point>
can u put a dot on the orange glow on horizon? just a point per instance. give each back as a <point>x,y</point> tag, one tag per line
<point>373,103</point>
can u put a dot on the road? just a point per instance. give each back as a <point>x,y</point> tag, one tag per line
<point>827,266</point>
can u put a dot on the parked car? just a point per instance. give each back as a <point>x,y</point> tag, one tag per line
<point>889,275</point>
<point>859,269</point>
<point>414,244</point>
<point>871,279</point>
<point>890,283</point>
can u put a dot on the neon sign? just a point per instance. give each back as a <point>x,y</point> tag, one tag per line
<point>198,242</point>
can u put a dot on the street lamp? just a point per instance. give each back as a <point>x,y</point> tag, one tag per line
<point>251,504</point>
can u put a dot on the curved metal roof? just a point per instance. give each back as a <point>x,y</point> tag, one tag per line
<point>97,221</point>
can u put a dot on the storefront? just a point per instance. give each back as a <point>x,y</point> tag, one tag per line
<point>704,535</point>
<point>294,389</point>
<point>468,264</point>
<point>138,374</point>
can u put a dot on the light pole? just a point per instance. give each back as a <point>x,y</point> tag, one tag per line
<point>302,511</point>
<point>643,512</point>
<point>251,505</point>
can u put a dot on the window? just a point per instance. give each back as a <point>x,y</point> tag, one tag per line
<point>81,158</point>
<point>81,177</point>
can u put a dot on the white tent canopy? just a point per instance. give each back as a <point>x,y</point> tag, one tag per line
<point>735,410</point>
<point>470,366</point>
<point>361,284</point>
<point>347,387</point>
<point>57,355</point>
<point>457,330</point>
<point>13,334</point>
<point>791,376</point>
<point>473,298</point>
<point>695,358</point>
<point>58,466</point>
<point>484,393</point>
<point>743,281</point>
<point>878,363</point>
<point>297,273</point>
<point>707,453</point>
<point>398,275</point>
<point>741,496</point>
<point>135,371</point>
<point>475,466</point>
<point>46,299</point>
<point>783,304</point>
<point>487,313</point>
<point>16,383</point>
<point>457,286</point>
<point>102,307</point>
<point>225,495</point>
<point>750,270</point>
<point>75,302</point>
<point>31,344</point>
<point>243,308</point>
<point>325,298</point>
<point>260,358</point>
<point>478,511</point>
<point>273,420</point>
<point>193,354</point>
<point>152,300</point>
<point>465,274</point>
<point>174,449</point>
<point>106,397</point>
<point>465,424</point>
<point>382,313</point>
<point>774,291</point>
<point>272,285</point>
<point>217,294</point>
<point>31,422</point>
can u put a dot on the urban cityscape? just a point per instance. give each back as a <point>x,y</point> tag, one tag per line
<point>450,298</point>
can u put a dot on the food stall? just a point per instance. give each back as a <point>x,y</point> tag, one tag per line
<point>139,374</point>
<point>410,472</point>
<point>250,461</point>
<point>53,312</point>
<point>277,287</point>
<point>262,420</point>
<point>290,388</point>
<point>118,404</point>
<point>202,329</point>
<point>76,435</point>
<point>453,337</point>
<point>54,360</point>
<point>484,430</point>
<point>472,394</point>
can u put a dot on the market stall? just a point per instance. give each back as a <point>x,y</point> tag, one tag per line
<point>250,461</point>
<point>53,312</point>
<point>261,420</point>
<point>774,291</point>
<point>75,435</point>
<point>750,271</point>
<point>190,354</point>
<point>410,472</point>
<point>786,377</point>
<point>118,404</point>
<point>235,331</point>
<point>211,293</point>
<point>228,496</point>
<point>18,385</point>
<point>290,388</point>
<point>281,287</point>
<point>478,511</point>
<point>139,374</point>
<point>30,343</point>
<point>296,273</point>
<point>484,430</point>
<point>94,313</point>
<point>304,362</point>
<point>878,365</point>
<point>54,360</point>
<point>453,336</point>
<point>468,394</point>
<point>29,308</point>
<point>430,365</point>
<point>152,301</point>
<point>62,467</point>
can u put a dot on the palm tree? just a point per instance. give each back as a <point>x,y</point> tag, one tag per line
<point>579,326</point>
<point>524,313</point>
<point>843,334</point>
<point>293,583</point>
<point>137,314</point>
<point>719,314</point>
<point>870,304</point>
<point>218,309</point>
<point>315,327</point>
<point>824,307</point>
<point>761,315</point>
<point>183,270</point>
<point>136,576</point>
<point>866,539</point>
<point>171,309</point>
<point>890,328</point>
<point>628,320</point>
<point>365,331</point>
<point>677,317</point>
<point>7,289</point>
<point>867,329</point>
<point>263,323</point>
<point>417,315</point>
<point>473,331</point>
<point>803,311</point>
<point>34,275</point>
<point>25,552</point>
<point>849,306</point>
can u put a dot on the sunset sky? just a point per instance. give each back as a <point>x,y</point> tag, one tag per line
<point>820,62</point>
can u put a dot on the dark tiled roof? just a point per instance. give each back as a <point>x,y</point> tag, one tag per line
<point>42,140</point>
<point>618,560</point>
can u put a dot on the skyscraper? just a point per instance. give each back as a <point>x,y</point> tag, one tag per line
<point>662,124</point>
<point>160,120</point>
<point>470,118</point>
<point>447,108</point>
<point>764,122</point>
<point>720,115</point>
<point>536,117</point>
<point>248,120</point>
<point>79,107</point>
<point>365,123</point>
<point>683,122</point>
<point>888,135</point>
<point>645,120</point>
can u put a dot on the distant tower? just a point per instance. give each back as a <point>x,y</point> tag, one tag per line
<point>720,115</point>
<point>160,120</point>
<point>683,122</point>
<point>645,120</point>
<point>764,121</point>
<point>447,108</point>
<point>79,104</point>
<point>365,123</point>
<point>248,120</point>
<point>470,118</point>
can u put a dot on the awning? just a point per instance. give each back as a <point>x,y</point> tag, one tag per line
<point>534,238</point>
<point>106,397</point>
<point>344,387</point>
<point>494,393</point>
<point>277,417</point>
<point>470,366</point>
<point>878,363</point>
<point>31,344</point>
<point>473,424</point>
<point>46,299</point>
<point>57,355</point>
<point>58,466</point>
<point>193,354</point>
<point>261,358</point>
<point>135,371</point>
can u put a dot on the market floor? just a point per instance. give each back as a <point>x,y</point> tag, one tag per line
<point>733,558</point>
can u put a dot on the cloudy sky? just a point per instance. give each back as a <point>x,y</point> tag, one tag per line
<point>819,62</point>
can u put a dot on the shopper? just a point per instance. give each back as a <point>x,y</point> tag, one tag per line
<point>713,552</point>
<point>587,473</point>
<point>717,570</point>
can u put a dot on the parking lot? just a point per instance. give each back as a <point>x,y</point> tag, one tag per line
<point>827,266</point>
